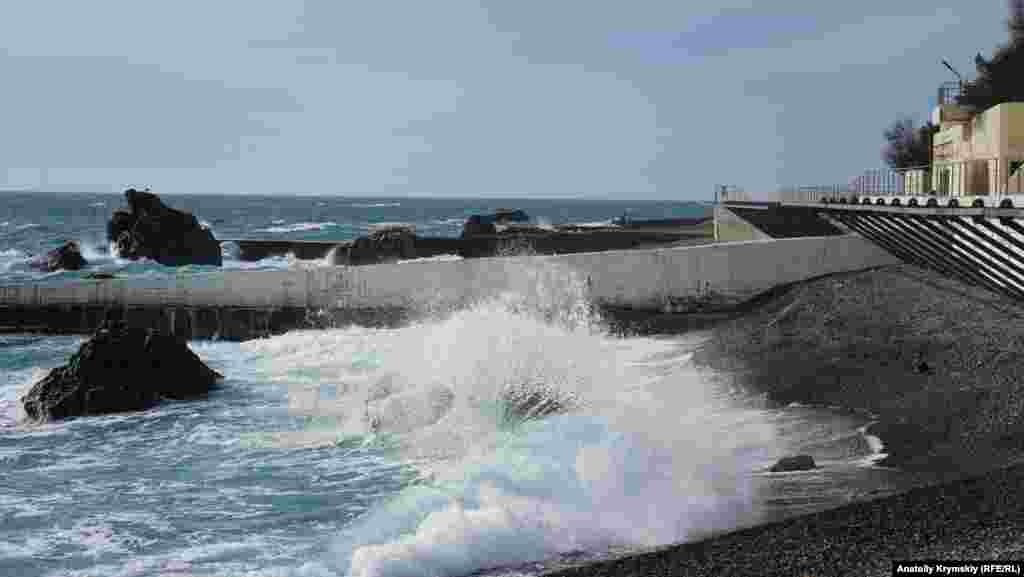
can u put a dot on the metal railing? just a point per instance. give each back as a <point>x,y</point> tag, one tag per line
<point>904,181</point>
<point>949,92</point>
<point>727,193</point>
<point>991,176</point>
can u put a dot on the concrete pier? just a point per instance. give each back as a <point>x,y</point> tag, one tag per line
<point>245,304</point>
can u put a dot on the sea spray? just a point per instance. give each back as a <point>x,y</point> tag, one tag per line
<point>641,450</point>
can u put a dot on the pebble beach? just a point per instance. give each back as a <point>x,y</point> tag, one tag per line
<point>935,364</point>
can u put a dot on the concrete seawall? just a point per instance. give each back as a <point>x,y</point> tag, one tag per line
<point>242,304</point>
<point>561,241</point>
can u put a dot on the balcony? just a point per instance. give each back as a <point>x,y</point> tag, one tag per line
<point>949,93</point>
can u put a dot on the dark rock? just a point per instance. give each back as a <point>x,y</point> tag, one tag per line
<point>485,223</point>
<point>475,226</point>
<point>382,245</point>
<point>100,275</point>
<point>169,236</point>
<point>797,463</point>
<point>524,401</point>
<point>119,369</point>
<point>68,256</point>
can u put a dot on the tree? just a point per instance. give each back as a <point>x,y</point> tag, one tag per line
<point>999,79</point>
<point>908,146</point>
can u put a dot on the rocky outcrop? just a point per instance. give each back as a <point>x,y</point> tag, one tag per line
<point>797,463</point>
<point>119,369</point>
<point>475,226</point>
<point>382,245</point>
<point>478,224</point>
<point>68,256</point>
<point>153,230</point>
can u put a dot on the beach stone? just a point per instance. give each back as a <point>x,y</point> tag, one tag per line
<point>797,463</point>
<point>150,229</point>
<point>119,369</point>
<point>382,245</point>
<point>67,256</point>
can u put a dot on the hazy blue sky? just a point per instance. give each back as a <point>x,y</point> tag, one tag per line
<point>634,98</point>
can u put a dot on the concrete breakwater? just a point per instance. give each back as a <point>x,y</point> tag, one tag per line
<point>484,245</point>
<point>244,304</point>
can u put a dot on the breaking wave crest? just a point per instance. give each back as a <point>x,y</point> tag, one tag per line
<point>535,433</point>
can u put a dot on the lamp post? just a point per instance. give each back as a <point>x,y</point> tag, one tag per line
<point>953,70</point>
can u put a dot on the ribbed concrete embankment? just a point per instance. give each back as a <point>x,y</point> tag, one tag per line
<point>219,303</point>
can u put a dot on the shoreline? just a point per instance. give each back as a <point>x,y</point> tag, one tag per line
<point>933,361</point>
<point>976,518</point>
<point>939,368</point>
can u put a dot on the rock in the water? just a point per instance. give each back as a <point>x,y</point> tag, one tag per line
<point>120,369</point>
<point>523,401</point>
<point>101,275</point>
<point>478,224</point>
<point>382,245</point>
<point>475,225</point>
<point>68,256</point>
<point>169,236</point>
<point>797,463</point>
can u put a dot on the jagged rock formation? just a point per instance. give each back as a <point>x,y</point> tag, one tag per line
<point>67,256</point>
<point>382,245</point>
<point>119,369</point>
<point>153,230</point>
<point>478,224</point>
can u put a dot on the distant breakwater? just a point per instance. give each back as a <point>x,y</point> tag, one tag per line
<point>478,246</point>
<point>247,304</point>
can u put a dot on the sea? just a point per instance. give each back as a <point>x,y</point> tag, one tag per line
<point>395,452</point>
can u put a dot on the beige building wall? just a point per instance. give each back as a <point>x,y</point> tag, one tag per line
<point>977,155</point>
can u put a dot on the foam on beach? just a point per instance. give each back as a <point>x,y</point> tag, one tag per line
<point>645,450</point>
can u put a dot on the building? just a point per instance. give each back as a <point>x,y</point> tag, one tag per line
<point>978,153</point>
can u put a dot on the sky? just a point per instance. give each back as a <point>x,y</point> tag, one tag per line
<point>573,98</point>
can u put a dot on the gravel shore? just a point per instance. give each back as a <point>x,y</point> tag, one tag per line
<point>980,518</point>
<point>937,364</point>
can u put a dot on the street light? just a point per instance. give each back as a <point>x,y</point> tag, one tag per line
<point>953,70</point>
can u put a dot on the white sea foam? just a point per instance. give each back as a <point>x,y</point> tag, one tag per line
<point>279,262</point>
<point>435,258</point>
<point>95,252</point>
<point>10,258</point>
<point>376,205</point>
<point>299,227</point>
<point>646,450</point>
<point>875,444</point>
<point>595,224</point>
<point>372,226</point>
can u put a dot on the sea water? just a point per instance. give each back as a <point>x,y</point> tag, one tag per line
<point>397,452</point>
<point>33,223</point>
